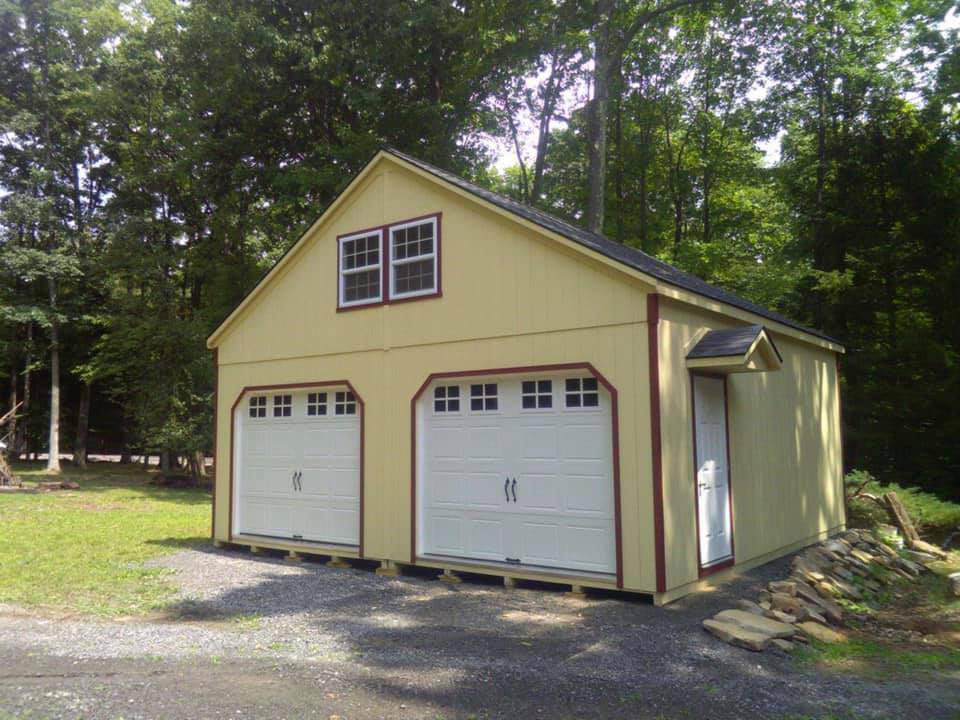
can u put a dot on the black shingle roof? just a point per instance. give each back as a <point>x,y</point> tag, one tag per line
<point>727,343</point>
<point>625,254</point>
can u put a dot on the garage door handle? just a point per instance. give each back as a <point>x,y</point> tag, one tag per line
<point>506,488</point>
<point>299,477</point>
<point>514,489</point>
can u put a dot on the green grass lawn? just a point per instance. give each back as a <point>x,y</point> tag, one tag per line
<point>81,550</point>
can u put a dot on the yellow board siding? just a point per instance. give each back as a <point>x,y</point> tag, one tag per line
<point>387,380</point>
<point>499,279</point>
<point>511,298</point>
<point>784,435</point>
<point>514,296</point>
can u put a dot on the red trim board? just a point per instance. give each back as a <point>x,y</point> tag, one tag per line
<point>294,386</point>
<point>615,434</point>
<point>656,445</point>
<point>216,423</point>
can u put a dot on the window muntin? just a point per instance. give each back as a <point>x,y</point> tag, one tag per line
<point>361,269</point>
<point>282,405</point>
<point>483,397</point>
<point>536,394</point>
<point>413,258</point>
<point>446,398</point>
<point>581,392</point>
<point>316,404</point>
<point>345,403</point>
<point>258,406</point>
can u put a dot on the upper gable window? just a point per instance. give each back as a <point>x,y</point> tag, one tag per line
<point>413,258</point>
<point>361,270</point>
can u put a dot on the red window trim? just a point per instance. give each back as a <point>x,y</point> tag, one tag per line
<point>385,288</point>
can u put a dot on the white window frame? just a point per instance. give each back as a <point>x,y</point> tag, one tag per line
<point>446,399</point>
<point>418,258</point>
<point>580,393</point>
<point>341,272</point>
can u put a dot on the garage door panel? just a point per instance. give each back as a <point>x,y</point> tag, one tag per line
<point>587,494</point>
<point>343,484</point>
<point>540,543</point>
<point>562,515</point>
<point>446,534</point>
<point>284,443</point>
<point>538,442</point>
<point>267,516</point>
<point>538,494</point>
<point>298,476</point>
<point>590,547</point>
<point>485,443</point>
<point>448,443</point>
<point>317,443</point>
<point>487,538</point>
<point>483,491</point>
<point>585,441</point>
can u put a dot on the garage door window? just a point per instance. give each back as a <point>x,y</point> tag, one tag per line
<point>446,398</point>
<point>483,397</point>
<point>282,405</point>
<point>582,393</point>
<point>258,406</point>
<point>537,394</point>
<point>346,403</point>
<point>316,404</point>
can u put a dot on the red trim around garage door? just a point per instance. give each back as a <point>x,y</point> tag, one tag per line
<point>296,386</point>
<point>615,433</point>
<point>702,571</point>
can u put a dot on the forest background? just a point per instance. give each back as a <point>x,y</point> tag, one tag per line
<point>158,156</point>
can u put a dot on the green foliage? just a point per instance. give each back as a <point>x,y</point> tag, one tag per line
<point>157,157</point>
<point>880,658</point>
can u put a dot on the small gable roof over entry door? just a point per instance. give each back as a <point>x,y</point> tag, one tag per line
<point>744,349</point>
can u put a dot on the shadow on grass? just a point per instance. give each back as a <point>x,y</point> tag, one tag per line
<point>200,543</point>
<point>105,477</point>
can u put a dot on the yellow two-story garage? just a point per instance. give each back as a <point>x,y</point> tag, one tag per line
<point>436,375</point>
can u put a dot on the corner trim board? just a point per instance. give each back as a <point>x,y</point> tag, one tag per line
<point>614,430</point>
<point>656,443</point>
<point>296,386</point>
<point>216,423</point>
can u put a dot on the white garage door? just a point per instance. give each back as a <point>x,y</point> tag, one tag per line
<point>518,470</point>
<point>297,465</point>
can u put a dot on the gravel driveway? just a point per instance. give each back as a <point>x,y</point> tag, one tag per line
<point>255,637</point>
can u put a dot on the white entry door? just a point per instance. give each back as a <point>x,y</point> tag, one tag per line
<point>518,470</point>
<point>297,465</point>
<point>713,487</point>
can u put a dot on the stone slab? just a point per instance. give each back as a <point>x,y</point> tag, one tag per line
<point>736,635</point>
<point>755,623</point>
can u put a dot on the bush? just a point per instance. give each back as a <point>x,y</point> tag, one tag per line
<point>929,513</point>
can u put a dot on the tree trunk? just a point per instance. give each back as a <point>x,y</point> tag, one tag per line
<point>597,122</point>
<point>14,387</point>
<point>83,422</point>
<point>165,465</point>
<point>22,441</point>
<point>53,458</point>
